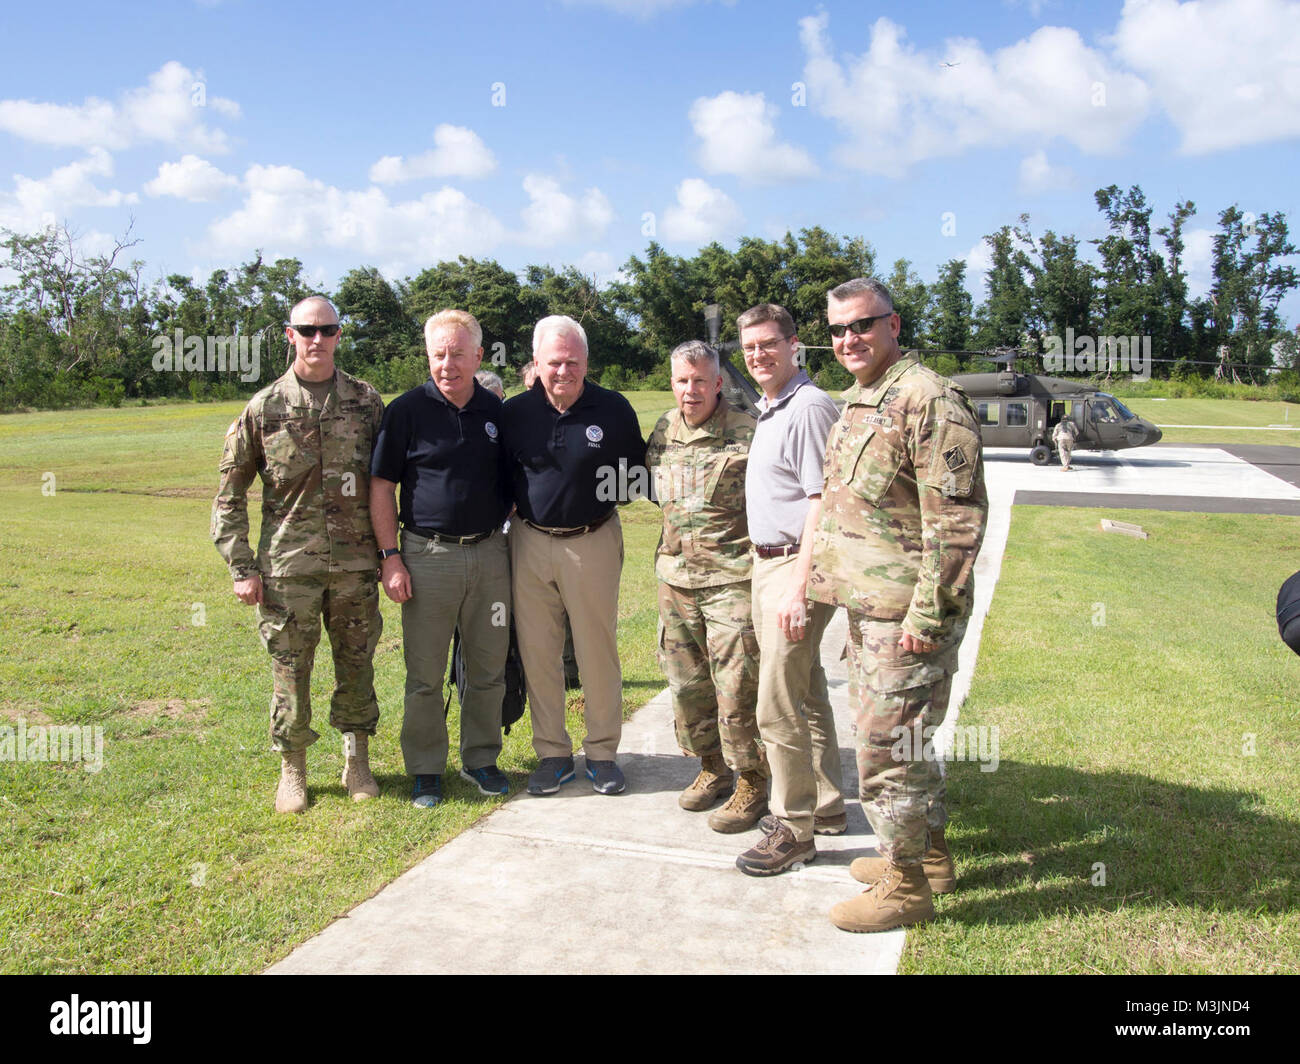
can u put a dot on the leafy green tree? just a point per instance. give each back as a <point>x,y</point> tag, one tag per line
<point>484,288</point>
<point>951,313</point>
<point>1249,283</point>
<point>379,326</point>
<point>1003,320</point>
<point>911,300</point>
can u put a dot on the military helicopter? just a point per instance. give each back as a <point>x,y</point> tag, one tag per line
<point>1021,409</point>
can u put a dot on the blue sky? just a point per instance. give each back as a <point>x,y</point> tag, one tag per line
<point>566,131</point>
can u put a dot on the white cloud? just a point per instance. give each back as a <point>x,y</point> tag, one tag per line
<point>193,179</point>
<point>738,136</point>
<point>553,217</point>
<point>979,260</point>
<point>171,108</point>
<point>702,214</point>
<point>1039,175</point>
<point>457,152</point>
<point>1198,261</point>
<point>39,202</point>
<point>301,213</point>
<point>899,106</point>
<point>1227,72</point>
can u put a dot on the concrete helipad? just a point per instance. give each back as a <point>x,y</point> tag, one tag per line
<point>581,883</point>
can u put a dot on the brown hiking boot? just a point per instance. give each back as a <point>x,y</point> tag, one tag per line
<point>939,869</point>
<point>746,806</point>
<point>714,781</point>
<point>899,898</point>
<point>831,825</point>
<point>356,767</point>
<point>776,851</point>
<point>291,795</point>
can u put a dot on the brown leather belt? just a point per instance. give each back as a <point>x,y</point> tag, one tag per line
<point>565,533</point>
<point>785,550</point>
<point>442,537</point>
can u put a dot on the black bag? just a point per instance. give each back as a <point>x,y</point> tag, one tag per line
<point>1288,612</point>
<point>515,698</point>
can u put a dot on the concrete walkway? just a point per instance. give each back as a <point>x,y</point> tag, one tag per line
<point>582,883</point>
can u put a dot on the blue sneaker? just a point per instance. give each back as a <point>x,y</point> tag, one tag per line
<point>490,780</point>
<point>606,777</point>
<point>427,792</point>
<point>550,774</point>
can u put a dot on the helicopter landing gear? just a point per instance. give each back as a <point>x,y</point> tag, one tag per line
<point>1041,455</point>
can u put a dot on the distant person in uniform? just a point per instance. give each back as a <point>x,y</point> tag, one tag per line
<point>902,519</point>
<point>441,444</point>
<point>573,447</point>
<point>697,456</point>
<point>308,438</point>
<point>783,490</point>
<point>1064,436</point>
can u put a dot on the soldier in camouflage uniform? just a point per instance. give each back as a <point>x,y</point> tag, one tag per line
<point>903,517</point>
<point>308,437</point>
<point>697,456</point>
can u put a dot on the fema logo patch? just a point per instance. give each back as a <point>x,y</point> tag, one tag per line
<point>954,458</point>
<point>491,430</point>
<point>595,433</point>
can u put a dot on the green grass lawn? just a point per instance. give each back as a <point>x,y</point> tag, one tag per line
<point>1161,745</point>
<point>1228,412</point>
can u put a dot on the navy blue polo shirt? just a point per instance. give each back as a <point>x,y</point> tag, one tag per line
<point>449,462</point>
<point>559,459</point>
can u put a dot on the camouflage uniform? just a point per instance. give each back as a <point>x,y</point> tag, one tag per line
<point>707,647</point>
<point>903,516</point>
<point>316,553</point>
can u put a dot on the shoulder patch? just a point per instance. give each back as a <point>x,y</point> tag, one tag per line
<point>234,425</point>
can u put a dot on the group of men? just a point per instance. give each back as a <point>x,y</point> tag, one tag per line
<point>769,524</point>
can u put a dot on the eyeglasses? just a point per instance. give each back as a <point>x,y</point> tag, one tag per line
<point>766,347</point>
<point>857,328</point>
<point>309,331</point>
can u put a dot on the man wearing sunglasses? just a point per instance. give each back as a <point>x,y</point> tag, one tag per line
<point>308,438</point>
<point>902,520</point>
<point>783,487</point>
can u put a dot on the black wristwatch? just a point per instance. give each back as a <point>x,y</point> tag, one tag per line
<point>388,552</point>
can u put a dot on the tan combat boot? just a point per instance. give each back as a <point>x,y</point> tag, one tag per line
<point>899,898</point>
<point>291,795</point>
<point>712,783</point>
<point>356,767</point>
<point>939,869</point>
<point>747,806</point>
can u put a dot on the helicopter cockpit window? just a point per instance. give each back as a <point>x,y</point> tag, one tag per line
<point>1124,412</point>
<point>1108,408</point>
<point>989,413</point>
<point>1017,414</point>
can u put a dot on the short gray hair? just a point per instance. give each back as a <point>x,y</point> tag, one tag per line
<point>462,319</point>
<point>695,352</point>
<point>857,286</point>
<point>561,324</point>
<point>490,381</point>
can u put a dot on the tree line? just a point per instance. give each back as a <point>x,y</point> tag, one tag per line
<point>81,328</point>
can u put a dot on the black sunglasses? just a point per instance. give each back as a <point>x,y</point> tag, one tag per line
<point>310,330</point>
<point>860,326</point>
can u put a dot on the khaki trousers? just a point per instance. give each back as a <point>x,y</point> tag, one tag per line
<point>578,575</point>
<point>794,709</point>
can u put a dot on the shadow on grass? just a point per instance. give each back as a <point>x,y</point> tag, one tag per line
<point>1050,839</point>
